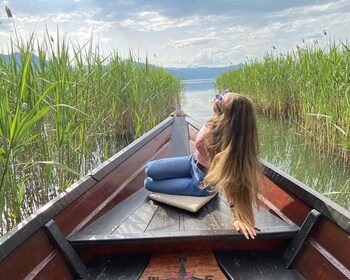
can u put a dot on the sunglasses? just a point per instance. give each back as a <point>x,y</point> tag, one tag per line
<point>219,97</point>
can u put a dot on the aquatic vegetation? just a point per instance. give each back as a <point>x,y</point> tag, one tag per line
<point>309,87</point>
<point>64,109</point>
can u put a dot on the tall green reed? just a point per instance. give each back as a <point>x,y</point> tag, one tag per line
<point>309,86</point>
<point>64,111</point>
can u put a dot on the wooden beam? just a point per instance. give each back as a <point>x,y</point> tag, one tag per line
<point>72,258</point>
<point>300,239</point>
<point>180,137</point>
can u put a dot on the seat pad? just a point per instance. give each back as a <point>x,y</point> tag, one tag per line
<point>186,202</point>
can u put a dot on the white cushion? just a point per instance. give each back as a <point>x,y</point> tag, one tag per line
<point>186,202</point>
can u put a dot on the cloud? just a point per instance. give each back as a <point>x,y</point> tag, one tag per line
<point>180,33</point>
<point>155,21</point>
<point>217,55</point>
<point>195,41</point>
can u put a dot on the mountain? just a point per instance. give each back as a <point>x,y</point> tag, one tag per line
<point>189,73</point>
<point>8,57</point>
<point>200,72</point>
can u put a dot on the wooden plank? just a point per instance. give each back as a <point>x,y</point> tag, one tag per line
<point>162,221</point>
<point>180,137</point>
<point>241,265</point>
<point>193,125</point>
<point>166,219</point>
<point>128,266</point>
<point>126,179</point>
<point>53,267</point>
<point>106,192</point>
<point>309,196</point>
<point>299,240</point>
<point>184,265</point>
<point>153,236</point>
<point>221,212</point>
<point>66,249</point>
<point>138,221</point>
<point>117,215</point>
<point>23,231</point>
<point>202,220</point>
<point>86,251</point>
<point>283,203</point>
<point>315,263</point>
<point>333,239</point>
<point>133,184</point>
<point>266,222</point>
<point>29,254</point>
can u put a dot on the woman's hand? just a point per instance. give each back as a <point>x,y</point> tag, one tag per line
<point>247,229</point>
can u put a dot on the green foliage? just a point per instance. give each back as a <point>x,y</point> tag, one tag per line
<point>310,87</point>
<point>66,112</point>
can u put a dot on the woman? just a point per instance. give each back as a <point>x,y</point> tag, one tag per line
<point>225,160</point>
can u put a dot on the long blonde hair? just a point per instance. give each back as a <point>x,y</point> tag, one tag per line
<point>232,152</point>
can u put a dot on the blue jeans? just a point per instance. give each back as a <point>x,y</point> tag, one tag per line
<point>176,175</point>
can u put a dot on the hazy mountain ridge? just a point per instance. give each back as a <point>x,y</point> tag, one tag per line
<point>7,57</point>
<point>186,73</point>
<point>190,73</point>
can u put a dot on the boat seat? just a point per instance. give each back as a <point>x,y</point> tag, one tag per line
<point>140,219</point>
<point>267,265</point>
<point>125,266</point>
<point>254,265</point>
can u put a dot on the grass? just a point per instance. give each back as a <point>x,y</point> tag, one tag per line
<point>309,86</point>
<point>66,111</point>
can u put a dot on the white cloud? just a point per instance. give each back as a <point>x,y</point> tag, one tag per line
<point>195,41</point>
<point>155,21</point>
<point>61,17</point>
<point>205,34</point>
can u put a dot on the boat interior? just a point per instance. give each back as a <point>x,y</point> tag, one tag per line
<point>122,241</point>
<point>162,228</point>
<point>105,226</point>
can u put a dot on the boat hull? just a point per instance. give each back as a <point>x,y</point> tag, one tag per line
<point>30,250</point>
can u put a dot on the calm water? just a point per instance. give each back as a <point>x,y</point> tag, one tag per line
<point>282,146</point>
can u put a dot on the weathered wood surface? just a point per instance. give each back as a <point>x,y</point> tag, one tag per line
<point>117,267</point>
<point>315,262</point>
<point>153,219</point>
<point>326,253</point>
<point>242,265</point>
<point>142,225</point>
<point>149,227</point>
<point>185,265</point>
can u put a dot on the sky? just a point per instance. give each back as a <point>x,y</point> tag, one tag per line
<point>179,33</point>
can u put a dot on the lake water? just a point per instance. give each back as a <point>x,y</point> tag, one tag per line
<point>282,146</point>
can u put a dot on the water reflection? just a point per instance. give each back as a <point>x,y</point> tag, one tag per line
<point>282,146</point>
<point>197,96</point>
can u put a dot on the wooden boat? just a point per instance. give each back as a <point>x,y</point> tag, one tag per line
<point>105,227</point>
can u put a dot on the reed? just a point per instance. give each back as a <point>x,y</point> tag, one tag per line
<point>66,110</point>
<point>309,86</point>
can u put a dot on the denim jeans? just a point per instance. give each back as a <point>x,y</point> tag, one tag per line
<point>176,175</point>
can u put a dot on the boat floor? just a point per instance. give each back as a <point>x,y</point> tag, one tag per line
<point>253,265</point>
<point>138,218</point>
